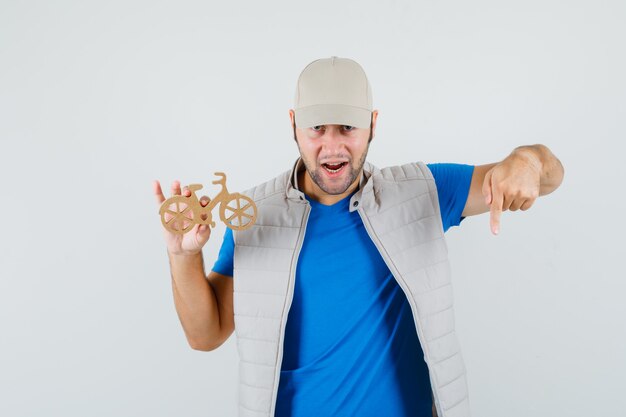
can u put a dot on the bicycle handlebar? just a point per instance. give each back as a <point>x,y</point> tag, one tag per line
<point>220,174</point>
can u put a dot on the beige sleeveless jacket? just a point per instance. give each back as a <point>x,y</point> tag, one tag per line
<point>400,210</point>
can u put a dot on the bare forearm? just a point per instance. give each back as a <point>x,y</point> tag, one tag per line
<point>195,301</point>
<point>540,156</point>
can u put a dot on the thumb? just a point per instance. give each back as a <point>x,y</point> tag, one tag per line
<point>201,235</point>
<point>204,232</point>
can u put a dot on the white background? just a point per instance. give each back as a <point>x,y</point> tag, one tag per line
<point>97,99</point>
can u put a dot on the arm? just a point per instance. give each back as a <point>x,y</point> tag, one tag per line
<point>204,304</point>
<point>514,183</point>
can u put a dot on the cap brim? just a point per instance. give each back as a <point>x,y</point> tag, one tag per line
<point>332,114</point>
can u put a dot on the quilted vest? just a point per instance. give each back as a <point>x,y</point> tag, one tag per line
<point>400,210</point>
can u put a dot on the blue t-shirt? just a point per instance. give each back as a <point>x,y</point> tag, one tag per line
<point>350,344</point>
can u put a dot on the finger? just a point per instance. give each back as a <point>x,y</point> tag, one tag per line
<point>515,205</point>
<point>487,188</point>
<point>176,187</point>
<point>527,204</point>
<point>186,191</point>
<point>506,203</point>
<point>496,212</point>
<point>204,200</point>
<point>158,193</point>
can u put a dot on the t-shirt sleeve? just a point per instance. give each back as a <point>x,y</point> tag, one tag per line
<point>224,263</point>
<point>453,183</point>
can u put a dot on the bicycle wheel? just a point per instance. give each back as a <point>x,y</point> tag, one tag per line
<point>177,215</point>
<point>238,212</point>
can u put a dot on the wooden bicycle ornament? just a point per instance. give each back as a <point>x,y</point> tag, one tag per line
<point>180,213</point>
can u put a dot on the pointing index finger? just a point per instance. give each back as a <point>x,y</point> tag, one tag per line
<point>496,211</point>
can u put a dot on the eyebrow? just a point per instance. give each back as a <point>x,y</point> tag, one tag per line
<point>310,127</point>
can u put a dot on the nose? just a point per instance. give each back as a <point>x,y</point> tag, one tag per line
<point>333,140</point>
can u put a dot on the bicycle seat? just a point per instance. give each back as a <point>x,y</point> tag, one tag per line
<point>194,187</point>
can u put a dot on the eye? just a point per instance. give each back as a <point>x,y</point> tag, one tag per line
<point>317,128</point>
<point>348,128</point>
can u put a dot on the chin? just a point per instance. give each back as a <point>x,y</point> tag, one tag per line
<point>330,187</point>
<point>335,191</point>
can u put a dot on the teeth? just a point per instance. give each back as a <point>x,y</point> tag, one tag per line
<point>333,170</point>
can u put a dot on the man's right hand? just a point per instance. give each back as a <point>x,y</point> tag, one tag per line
<point>190,243</point>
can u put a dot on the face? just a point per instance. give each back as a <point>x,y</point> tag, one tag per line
<point>334,155</point>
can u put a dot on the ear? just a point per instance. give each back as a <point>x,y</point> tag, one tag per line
<point>374,117</point>
<point>292,117</point>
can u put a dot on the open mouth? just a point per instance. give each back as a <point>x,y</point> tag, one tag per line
<point>334,168</point>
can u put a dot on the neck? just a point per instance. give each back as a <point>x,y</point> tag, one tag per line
<point>310,188</point>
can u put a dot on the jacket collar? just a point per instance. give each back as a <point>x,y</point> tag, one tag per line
<point>365,183</point>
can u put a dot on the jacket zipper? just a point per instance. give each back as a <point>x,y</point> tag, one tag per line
<point>290,287</point>
<point>404,287</point>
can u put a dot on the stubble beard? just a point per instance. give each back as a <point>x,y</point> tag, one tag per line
<point>318,177</point>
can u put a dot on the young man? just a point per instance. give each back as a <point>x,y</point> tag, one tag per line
<point>341,292</point>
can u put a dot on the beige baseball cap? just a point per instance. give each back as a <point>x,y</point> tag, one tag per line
<point>333,91</point>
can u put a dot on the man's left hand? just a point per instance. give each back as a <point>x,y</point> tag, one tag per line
<point>512,184</point>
